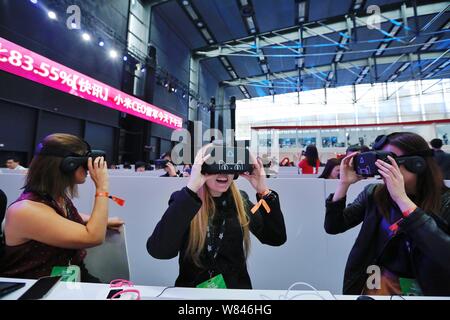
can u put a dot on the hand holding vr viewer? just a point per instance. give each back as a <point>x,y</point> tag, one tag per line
<point>218,159</point>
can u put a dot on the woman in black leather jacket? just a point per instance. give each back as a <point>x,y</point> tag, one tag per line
<point>403,246</point>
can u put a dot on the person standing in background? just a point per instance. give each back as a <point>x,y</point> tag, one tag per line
<point>442,158</point>
<point>310,163</point>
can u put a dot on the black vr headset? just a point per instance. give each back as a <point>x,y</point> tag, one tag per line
<point>364,163</point>
<point>226,159</point>
<point>71,161</point>
<point>162,163</point>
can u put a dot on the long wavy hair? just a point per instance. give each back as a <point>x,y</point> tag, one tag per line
<point>311,155</point>
<point>199,224</point>
<point>430,184</point>
<point>44,175</point>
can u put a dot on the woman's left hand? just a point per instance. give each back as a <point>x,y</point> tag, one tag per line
<point>258,177</point>
<point>115,223</point>
<point>393,179</point>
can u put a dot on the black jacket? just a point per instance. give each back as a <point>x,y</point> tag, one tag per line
<point>171,235</point>
<point>427,234</point>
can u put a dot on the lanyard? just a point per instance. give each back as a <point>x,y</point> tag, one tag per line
<point>213,241</point>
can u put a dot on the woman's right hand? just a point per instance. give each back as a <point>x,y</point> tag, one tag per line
<point>347,173</point>
<point>98,170</point>
<point>197,179</point>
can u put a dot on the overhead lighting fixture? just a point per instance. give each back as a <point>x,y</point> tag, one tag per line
<point>330,76</point>
<point>233,74</point>
<point>185,3</point>
<point>265,68</point>
<point>251,24</point>
<point>393,77</point>
<point>365,70</point>
<point>113,54</point>
<point>394,30</point>
<point>404,66</point>
<point>191,12</point>
<point>446,63</point>
<point>52,15</point>
<point>357,5</point>
<point>381,49</point>
<point>34,1</point>
<point>338,56</point>
<point>430,75</point>
<point>125,58</point>
<point>86,36</point>
<point>429,43</point>
<point>302,11</point>
<point>206,34</point>
<point>224,61</point>
<point>200,24</point>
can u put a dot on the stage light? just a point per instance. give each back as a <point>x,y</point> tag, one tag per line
<point>34,1</point>
<point>113,54</point>
<point>101,43</point>
<point>86,36</point>
<point>125,58</point>
<point>52,15</point>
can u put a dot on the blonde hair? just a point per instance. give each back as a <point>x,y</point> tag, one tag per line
<point>197,234</point>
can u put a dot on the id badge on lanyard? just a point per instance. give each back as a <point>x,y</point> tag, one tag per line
<point>213,245</point>
<point>217,282</point>
<point>71,273</point>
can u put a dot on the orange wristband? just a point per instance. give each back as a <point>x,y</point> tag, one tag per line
<point>265,193</point>
<point>119,201</point>
<point>102,194</point>
<point>407,212</point>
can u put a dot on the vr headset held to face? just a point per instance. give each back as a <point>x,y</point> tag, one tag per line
<point>364,163</point>
<point>71,161</point>
<point>227,159</point>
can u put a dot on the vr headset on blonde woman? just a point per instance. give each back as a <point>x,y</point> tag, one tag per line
<point>227,159</point>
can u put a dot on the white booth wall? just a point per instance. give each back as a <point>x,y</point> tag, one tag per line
<point>309,255</point>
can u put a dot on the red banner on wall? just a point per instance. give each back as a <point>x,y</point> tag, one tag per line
<point>27,64</point>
